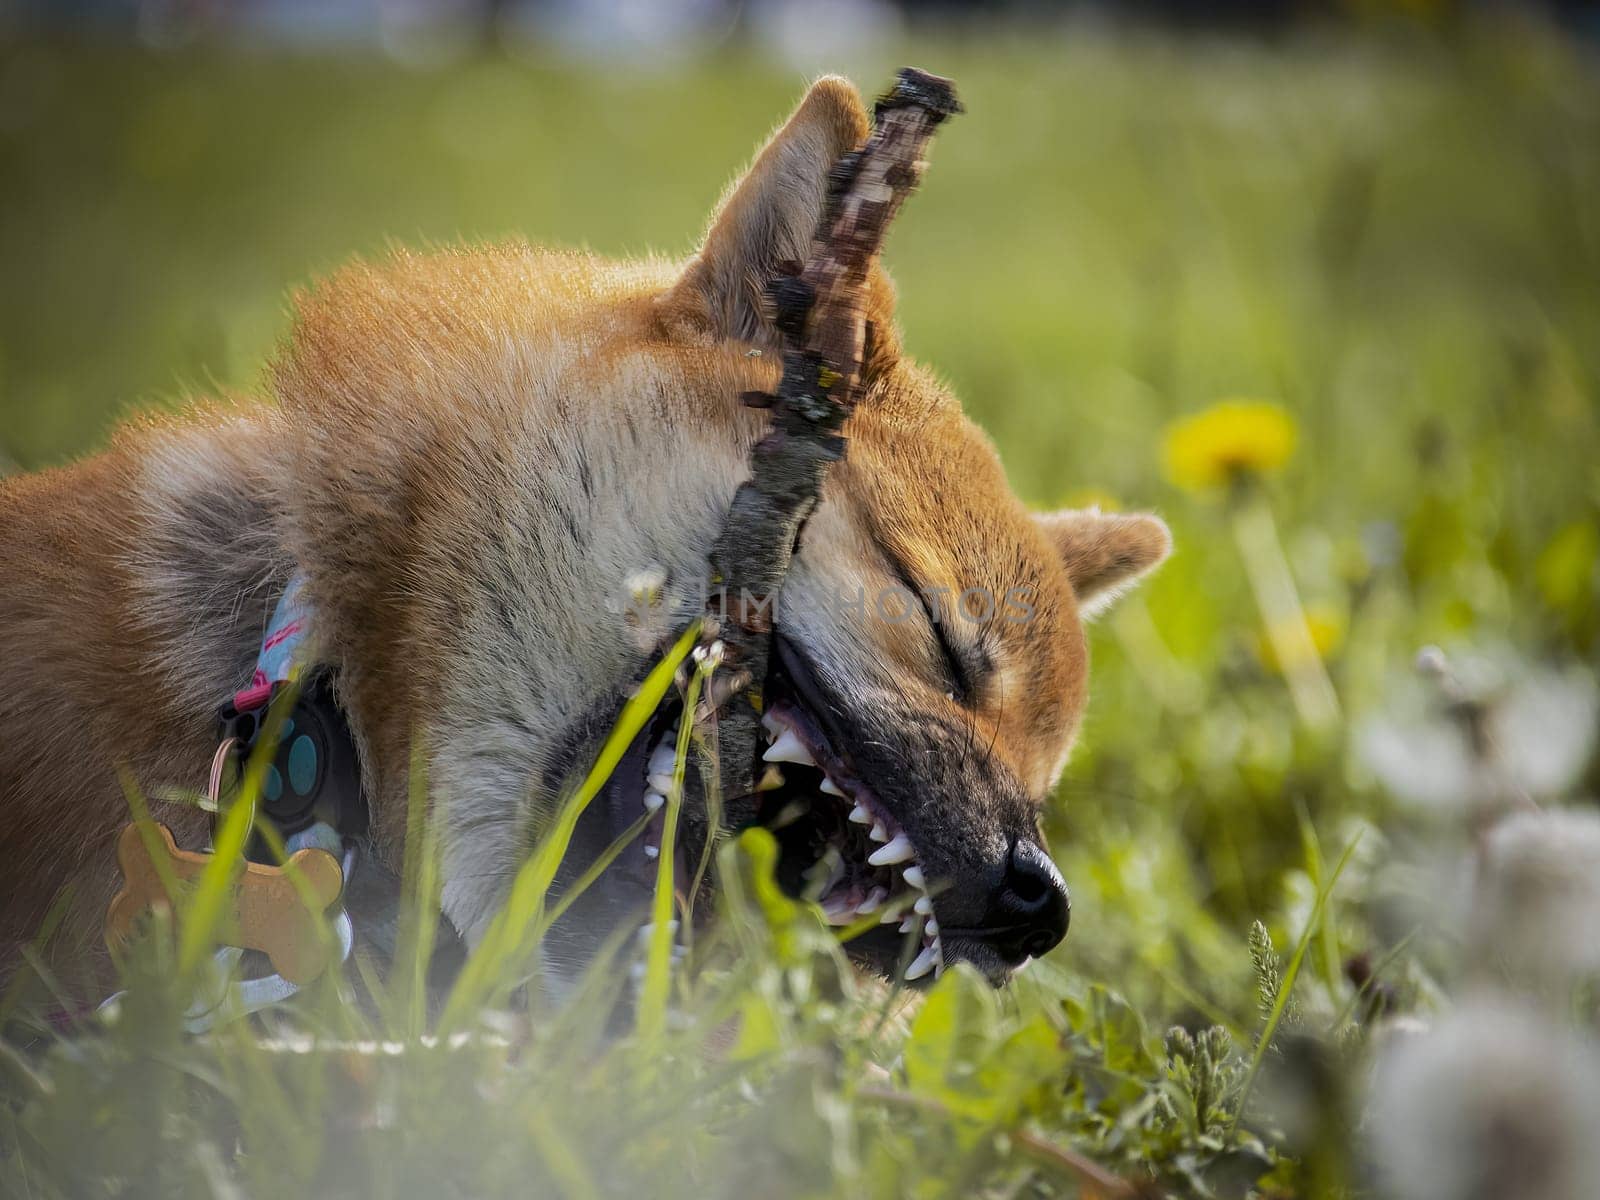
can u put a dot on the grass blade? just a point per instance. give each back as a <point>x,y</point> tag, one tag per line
<point>506,941</point>
<point>1290,974</point>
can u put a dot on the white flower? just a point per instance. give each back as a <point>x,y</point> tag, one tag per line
<point>1426,762</point>
<point>645,606</point>
<point>1536,900</point>
<point>1493,1103</point>
<point>1545,729</point>
<point>1481,727</point>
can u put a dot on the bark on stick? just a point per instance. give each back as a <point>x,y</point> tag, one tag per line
<point>820,314</point>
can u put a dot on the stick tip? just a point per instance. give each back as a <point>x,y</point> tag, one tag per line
<point>915,87</point>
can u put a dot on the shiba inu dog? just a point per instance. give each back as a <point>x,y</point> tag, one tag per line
<point>469,458</point>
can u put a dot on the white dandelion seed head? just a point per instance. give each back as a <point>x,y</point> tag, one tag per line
<point>1493,1102</point>
<point>1544,729</point>
<point>1424,762</point>
<point>1431,662</point>
<point>1537,731</point>
<point>1535,905</point>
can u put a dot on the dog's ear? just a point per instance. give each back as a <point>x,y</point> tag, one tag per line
<point>764,225</point>
<point>1105,553</point>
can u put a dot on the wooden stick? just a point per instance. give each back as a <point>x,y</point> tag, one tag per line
<point>821,315</point>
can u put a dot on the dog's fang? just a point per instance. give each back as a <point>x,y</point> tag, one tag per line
<point>873,902</point>
<point>859,813</point>
<point>922,964</point>
<point>923,906</point>
<point>829,788</point>
<point>913,875</point>
<point>789,748</point>
<point>897,850</point>
<point>843,918</point>
<point>878,833</point>
<point>647,930</point>
<point>908,925</point>
<point>931,928</point>
<point>836,872</point>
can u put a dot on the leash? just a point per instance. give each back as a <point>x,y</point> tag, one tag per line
<point>311,795</point>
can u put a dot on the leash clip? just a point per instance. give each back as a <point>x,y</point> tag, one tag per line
<point>314,776</point>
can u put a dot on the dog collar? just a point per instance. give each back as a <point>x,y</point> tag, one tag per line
<point>314,777</point>
<point>311,794</point>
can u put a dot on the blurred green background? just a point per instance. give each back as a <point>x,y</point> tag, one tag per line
<point>1396,237</point>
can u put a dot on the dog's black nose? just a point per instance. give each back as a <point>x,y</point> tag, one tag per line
<point>1029,913</point>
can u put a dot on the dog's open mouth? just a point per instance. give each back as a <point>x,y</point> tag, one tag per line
<point>839,846</point>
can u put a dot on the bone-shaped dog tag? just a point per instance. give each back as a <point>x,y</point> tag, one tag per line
<point>268,911</point>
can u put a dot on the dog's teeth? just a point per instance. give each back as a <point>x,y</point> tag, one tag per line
<point>771,780</point>
<point>890,917</point>
<point>913,876</point>
<point>789,748</point>
<point>654,800</point>
<point>838,914</point>
<point>658,781</point>
<point>652,851</point>
<point>931,928</point>
<point>938,956</point>
<point>830,788</point>
<point>897,850</point>
<point>647,930</point>
<point>772,725</point>
<point>836,873</point>
<point>878,833</point>
<point>922,964</point>
<point>662,759</point>
<point>923,906</point>
<point>908,925</point>
<point>859,814</point>
<point>874,901</point>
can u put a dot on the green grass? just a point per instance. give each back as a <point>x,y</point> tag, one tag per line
<point>1397,240</point>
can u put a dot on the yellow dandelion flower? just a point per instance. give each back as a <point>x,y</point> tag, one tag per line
<point>1325,627</point>
<point>1228,441</point>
